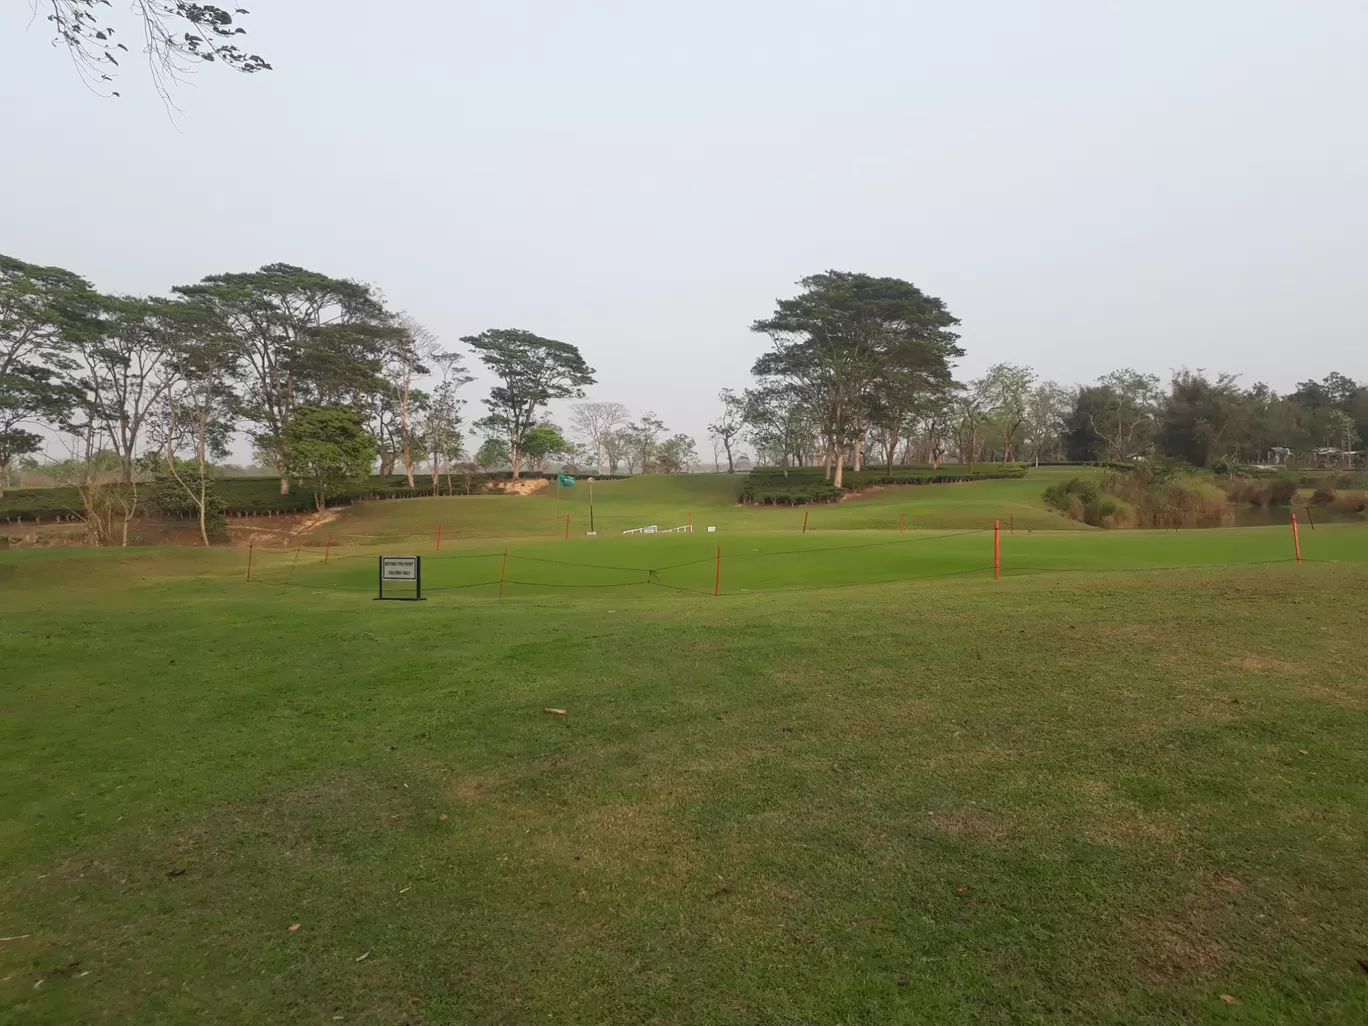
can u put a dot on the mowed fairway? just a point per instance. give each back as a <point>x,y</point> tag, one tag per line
<point>1094,791</point>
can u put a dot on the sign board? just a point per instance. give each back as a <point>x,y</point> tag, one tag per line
<point>405,569</point>
<point>399,568</point>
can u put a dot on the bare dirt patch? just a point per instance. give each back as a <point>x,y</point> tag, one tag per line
<point>523,486</point>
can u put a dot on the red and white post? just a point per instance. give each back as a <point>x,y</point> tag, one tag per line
<point>1296,538</point>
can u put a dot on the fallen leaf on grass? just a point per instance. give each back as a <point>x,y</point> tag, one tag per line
<point>903,980</point>
<point>64,970</point>
<point>175,872</point>
<point>1229,1000</point>
<point>721,891</point>
<point>294,927</point>
<point>362,958</point>
<point>556,712</point>
<point>415,1001</point>
<point>1363,965</point>
<point>442,816</point>
<point>961,890</point>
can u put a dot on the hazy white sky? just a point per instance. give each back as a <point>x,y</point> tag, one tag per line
<point>1087,185</point>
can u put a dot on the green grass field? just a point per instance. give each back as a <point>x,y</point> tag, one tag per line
<point>710,498</point>
<point>867,784</point>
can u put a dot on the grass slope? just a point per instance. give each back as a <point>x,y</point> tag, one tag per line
<point>669,500</point>
<point>1094,798</point>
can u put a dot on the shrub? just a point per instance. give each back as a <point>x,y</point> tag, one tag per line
<point>1352,502</point>
<point>1072,496</point>
<point>1109,511</point>
<point>167,497</point>
<point>1324,495</point>
<point>790,495</point>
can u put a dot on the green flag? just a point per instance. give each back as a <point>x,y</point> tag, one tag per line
<point>565,481</point>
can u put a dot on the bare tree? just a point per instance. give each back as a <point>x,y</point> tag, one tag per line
<point>595,422</point>
<point>403,362</point>
<point>729,426</point>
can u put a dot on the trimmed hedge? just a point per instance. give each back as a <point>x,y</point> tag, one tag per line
<point>768,486</point>
<point>246,496</point>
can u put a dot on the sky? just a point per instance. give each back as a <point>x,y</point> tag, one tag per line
<point>1087,185</point>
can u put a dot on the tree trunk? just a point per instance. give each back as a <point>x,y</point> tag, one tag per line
<point>517,464</point>
<point>826,461</point>
<point>840,468</point>
<point>204,488</point>
<point>731,467</point>
<point>284,485</point>
<point>859,452</point>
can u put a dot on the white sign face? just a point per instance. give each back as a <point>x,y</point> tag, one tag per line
<point>398,568</point>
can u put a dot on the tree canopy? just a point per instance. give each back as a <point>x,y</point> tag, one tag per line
<point>844,333</point>
<point>174,36</point>
<point>533,371</point>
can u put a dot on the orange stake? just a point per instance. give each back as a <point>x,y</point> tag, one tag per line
<point>439,537</point>
<point>1296,537</point>
<point>997,550</point>
<point>717,584</point>
<point>805,516</point>
<point>328,550</point>
<point>503,570</point>
<point>567,525</point>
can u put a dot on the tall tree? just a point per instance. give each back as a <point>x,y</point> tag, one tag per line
<point>780,424</point>
<point>1128,414</point>
<point>677,454</point>
<point>533,371</point>
<point>404,358</point>
<point>439,430</point>
<point>1047,405</point>
<point>328,446</point>
<point>43,312</point>
<point>728,427</point>
<point>127,367</point>
<point>595,422</point>
<point>200,416</point>
<point>174,36</point>
<point>842,333</point>
<point>1006,391</point>
<point>1202,419</point>
<point>305,338</point>
<point>545,442</point>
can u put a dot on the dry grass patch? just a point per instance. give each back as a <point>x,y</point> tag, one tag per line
<point>1170,951</point>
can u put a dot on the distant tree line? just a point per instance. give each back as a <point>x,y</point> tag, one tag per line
<point>323,377</point>
<point>860,370</point>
